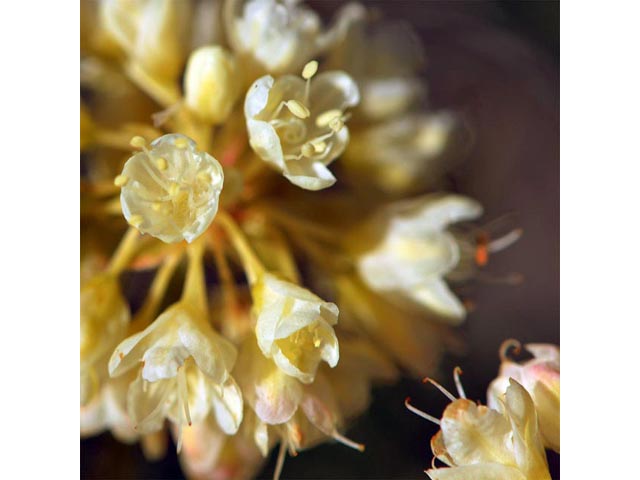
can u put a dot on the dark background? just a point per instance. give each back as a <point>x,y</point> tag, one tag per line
<point>496,63</point>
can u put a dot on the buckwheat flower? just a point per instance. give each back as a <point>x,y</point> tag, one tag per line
<point>170,190</point>
<point>297,125</point>
<point>104,319</point>
<point>412,251</point>
<point>476,442</point>
<point>185,363</point>
<point>212,83</point>
<point>401,154</point>
<point>540,376</point>
<point>151,33</point>
<point>279,36</point>
<point>294,327</point>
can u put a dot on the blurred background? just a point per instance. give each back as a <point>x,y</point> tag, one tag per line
<point>496,64</point>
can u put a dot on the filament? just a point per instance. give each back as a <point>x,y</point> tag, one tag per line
<point>419,412</point>
<point>349,443</point>
<point>456,378</point>
<point>446,392</point>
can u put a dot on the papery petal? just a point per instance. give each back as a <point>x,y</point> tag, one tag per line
<point>485,471</point>
<point>147,403</point>
<point>213,354</point>
<point>227,406</point>
<point>476,434</point>
<point>309,174</point>
<point>437,296</point>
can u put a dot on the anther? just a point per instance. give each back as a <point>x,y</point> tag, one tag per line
<point>298,109</point>
<point>161,163</point>
<point>446,392</point>
<point>508,345</point>
<point>307,150</point>
<point>336,124</point>
<point>120,180</point>
<point>319,147</point>
<point>174,188</point>
<point>325,118</point>
<point>419,412</point>
<point>138,142</point>
<point>310,69</point>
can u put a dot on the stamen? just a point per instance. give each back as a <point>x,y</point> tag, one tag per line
<point>349,443</point>
<point>298,109</point>
<point>419,412</point>
<point>307,150</point>
<point>508,279</point>
<point>336,124</point>
<point>319,147</point>
<point>310,69</point>
<point>161,163</point>
<point>174,188</point>
<point>325,118</point>
<point>138,142</point>
<point>456,378</point>
<point>439,387</point>
<point>120,180</point>
<point>505,241</point>
<point>181,142</point>
<point>506,346</point>
<point>280,461</point>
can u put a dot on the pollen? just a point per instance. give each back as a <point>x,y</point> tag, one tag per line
<point>310,69</point>
<point>181,142</point>
<point>174,188</point>
<point>298,109</point>
<point>307,150</point>
<point>120,180</point>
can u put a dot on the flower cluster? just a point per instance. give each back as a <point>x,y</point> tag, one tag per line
<point>281,290</point>
<point>506,439</point>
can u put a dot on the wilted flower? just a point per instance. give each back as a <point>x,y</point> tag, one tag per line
<point>297,125</point>
<point>413,251</point>
<point>540,376</point>
<point>170,191</point>
<point>294,327</point>
<point>477,442</point>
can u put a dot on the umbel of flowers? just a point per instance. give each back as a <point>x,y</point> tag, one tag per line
<point>269,173</point>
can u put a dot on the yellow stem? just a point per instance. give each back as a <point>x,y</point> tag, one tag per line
<point>152,303</point>
<point>222,265</point>
<point>301,225</point>
<point>252,265</point>
<point>194,290</point>
<point>125,252</point>
<point>165,94</point>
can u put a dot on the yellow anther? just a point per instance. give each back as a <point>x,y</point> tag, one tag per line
<point>336,124</point>
<point>316,342</point>
<point>136,220</point>
<point>174,188</point>
<point>310,69</point>
<point>156,206</point>
<point>120,180</point>
<point>324,119</point>
<point>319,146</point>
<point>307,150</point>
<point>298,109</point>
<point>181,142</point>
<point>138,142</point>
<point>161,163</point>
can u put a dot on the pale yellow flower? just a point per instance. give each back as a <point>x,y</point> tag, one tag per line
<point>170,191</point>
<point>294,327</point>
<point>104,319</point>
<point>297,125</point>
<point>279,36</point>
<point>412,251</point>
<point>211,83</point>
<point>152,33</point>
<point>541,377</point>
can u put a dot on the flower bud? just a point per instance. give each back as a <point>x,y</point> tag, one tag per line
<point>211,83</point>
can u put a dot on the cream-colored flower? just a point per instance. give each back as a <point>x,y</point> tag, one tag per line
<point>294,327</point>
<point>184,374</point>
<point>477,442</point>
<point>384,59</point>
<point>541,377</point>
<point>412,251</point>
<point>211,83</point>
<point>171,190</point>
<point>279,36</point>
<point>151,33</point>
<point>401,154</point>
<point>298,125</point>
<point>104,319</point>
